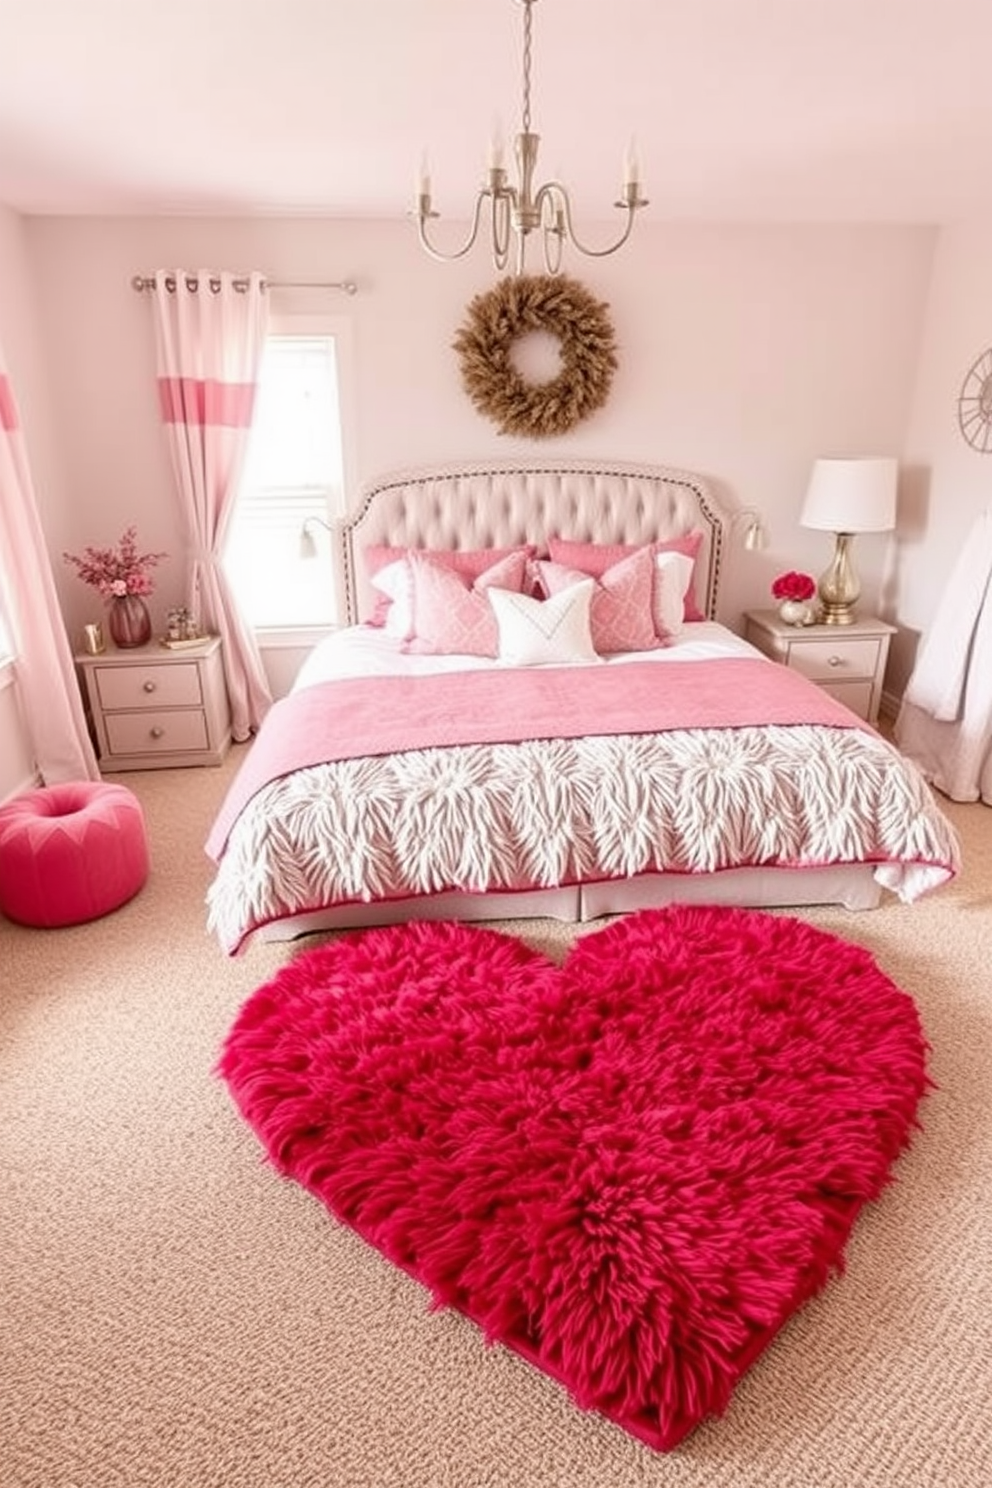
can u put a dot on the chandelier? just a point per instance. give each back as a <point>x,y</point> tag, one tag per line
<point>519,210</point>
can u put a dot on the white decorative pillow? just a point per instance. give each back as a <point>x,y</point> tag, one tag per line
<point>533,632</point>
<point>396,582</point>
<point>673,575</point>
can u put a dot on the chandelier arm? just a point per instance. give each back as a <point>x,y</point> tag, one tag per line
<point>422,217</point>
<point>555,191</point>
<point>552,256</point>
<point>502,202</point>
<point>552,226</point>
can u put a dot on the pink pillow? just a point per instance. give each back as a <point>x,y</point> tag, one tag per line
<point>621,615</point>
<point>468,561</point>
<point>451,612</point>
<point>596,558</point>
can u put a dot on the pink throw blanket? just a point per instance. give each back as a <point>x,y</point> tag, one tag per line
<point>363,716</point>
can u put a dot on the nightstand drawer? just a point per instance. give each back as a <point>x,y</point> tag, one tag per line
<point>829,661</point>
<point>156,733</point>
<point>174,685</point>
<point>854,695</point>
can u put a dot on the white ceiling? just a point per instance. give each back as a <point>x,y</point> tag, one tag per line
<point>742,110</point>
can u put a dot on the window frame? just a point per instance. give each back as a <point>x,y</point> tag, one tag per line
<point>287,322</point>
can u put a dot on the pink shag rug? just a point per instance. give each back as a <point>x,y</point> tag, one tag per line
<point>631,1168</point>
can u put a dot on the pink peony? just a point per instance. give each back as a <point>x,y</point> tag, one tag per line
<point>793,585</point>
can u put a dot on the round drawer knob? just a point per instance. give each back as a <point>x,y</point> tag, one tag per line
<point>149,686</point>
<point>835,661</point>
<point>157,732</point>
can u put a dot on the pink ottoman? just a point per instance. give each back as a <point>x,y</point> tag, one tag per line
<point>71,852</point>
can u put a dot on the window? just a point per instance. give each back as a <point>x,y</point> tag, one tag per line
<point>293,470</point>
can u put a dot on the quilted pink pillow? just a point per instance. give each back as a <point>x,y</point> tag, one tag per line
<point>596,558</point>
<point>468,561</point>
<point>451,612</point>
<point>621,615</point>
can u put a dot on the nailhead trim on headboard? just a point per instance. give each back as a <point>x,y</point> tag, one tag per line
<point>496,503</point>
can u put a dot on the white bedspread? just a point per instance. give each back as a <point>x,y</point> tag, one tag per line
<point>554,811</point>
<point>363,651</point>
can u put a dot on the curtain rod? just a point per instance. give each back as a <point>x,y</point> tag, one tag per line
<point>347,286</point>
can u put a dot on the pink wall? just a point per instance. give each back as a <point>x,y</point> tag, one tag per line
<point>745,352</point>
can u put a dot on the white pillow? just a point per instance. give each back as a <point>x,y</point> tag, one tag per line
<point>396,581</point>
<point>673,575</point>
<point>533,632</point>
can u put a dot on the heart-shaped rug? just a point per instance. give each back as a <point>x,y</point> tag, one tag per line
<point>631,1168</point>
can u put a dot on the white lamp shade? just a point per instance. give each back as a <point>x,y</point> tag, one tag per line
<point>851,496</point>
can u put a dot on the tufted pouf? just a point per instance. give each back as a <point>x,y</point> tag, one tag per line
<point>70,853</point>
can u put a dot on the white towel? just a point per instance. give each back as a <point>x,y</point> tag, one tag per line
<point>939,679</point>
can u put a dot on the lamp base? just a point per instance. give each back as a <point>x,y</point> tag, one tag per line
<point>839,589</point>
<point>837,614</point>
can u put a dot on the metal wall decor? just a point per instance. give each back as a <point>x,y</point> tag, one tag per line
<point>975,404</point>
<point>587,346</point>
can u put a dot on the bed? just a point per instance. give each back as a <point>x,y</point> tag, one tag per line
<point>398,781</point>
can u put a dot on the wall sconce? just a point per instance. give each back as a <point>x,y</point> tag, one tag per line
<point>755,536</point>
<point>846,497</point>
<point>308,543</point>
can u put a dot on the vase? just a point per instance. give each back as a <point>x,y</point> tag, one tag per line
<point>129,622</point>
<point>795,612</point>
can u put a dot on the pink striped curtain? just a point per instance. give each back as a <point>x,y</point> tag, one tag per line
<point>209,337</point>
<point>50,701</point>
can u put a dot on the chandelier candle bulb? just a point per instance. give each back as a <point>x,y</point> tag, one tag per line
<point>631,172</point>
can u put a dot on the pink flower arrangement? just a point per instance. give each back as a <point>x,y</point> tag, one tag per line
<point>117,571</point>
<point>793,585</point>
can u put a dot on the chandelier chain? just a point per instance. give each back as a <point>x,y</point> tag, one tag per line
<point>527,33</point>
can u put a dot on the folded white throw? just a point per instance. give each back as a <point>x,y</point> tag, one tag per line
<point>944,672</point>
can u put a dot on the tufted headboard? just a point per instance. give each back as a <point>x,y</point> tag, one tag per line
<point>498,503</point>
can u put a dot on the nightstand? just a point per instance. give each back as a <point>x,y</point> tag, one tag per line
<point>156,709</point>
<point>848,661</point>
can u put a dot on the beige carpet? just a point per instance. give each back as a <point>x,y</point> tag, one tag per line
<point>173,1313</point>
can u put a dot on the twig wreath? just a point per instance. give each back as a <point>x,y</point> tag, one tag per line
<point>587,346</point>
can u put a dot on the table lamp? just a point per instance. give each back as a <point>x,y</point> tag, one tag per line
<point>846,497</point>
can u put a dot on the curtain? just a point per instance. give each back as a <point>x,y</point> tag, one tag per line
<point>51,705</point>
<point>209,339</point>
<point>945,720</point>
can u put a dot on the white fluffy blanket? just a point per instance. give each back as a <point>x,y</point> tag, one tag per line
<point>538,814</point>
